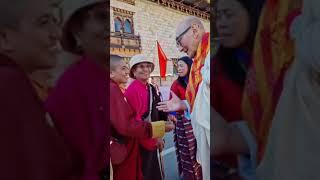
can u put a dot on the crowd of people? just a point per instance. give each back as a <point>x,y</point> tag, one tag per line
<point>187,112</point>
<point>255,114</point>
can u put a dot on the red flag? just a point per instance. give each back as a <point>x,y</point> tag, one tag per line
<point>162,61</point>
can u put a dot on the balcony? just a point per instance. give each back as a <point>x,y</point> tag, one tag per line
<point>125,44</point>
<point>199,8</point>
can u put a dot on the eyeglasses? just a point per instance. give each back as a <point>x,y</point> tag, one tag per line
<point>179,38</point>
<point>142,66</point>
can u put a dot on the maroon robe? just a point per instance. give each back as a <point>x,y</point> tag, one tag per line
<point>78,105</point>
<point>31,147</point>
<point>123,121</point>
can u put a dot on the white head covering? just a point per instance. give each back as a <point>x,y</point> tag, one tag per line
<point>137,59</point>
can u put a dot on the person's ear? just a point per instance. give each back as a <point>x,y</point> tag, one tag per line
<point>112,75</point>
<point>134,72</point>
<point>195,30</point>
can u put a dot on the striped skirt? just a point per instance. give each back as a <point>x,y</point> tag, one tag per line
<point>186,148</point>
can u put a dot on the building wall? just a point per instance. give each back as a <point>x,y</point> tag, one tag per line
<point>151,22</point>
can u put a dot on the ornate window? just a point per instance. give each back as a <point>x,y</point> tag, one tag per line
<point>123,20</point>
<point>117,25</point>
<point>123,41</point>
<point>127,27</point>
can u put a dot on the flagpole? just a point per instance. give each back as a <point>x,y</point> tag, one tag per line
<point>156,49</point>
<point>158,152</point>
<point>155,45</point>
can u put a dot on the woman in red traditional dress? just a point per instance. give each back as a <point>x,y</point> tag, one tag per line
<point>185,141</point>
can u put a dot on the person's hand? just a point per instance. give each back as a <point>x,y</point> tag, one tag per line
<point>172,118</point>
<point>174,104</point>
<point>160,144</point>
<point>227,137</point>
<point>169,126</point>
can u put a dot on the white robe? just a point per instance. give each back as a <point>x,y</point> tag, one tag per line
<point>293,146</point>
<point>200,118</point>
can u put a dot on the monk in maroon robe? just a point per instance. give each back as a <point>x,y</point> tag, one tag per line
<point>124,124</point>
<point>31,147</point>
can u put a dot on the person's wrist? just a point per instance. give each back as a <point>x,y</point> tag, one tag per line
<point>183,105</point>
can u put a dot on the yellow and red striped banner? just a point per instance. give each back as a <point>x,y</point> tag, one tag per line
<point>272,55</point>
<point>195,73</point>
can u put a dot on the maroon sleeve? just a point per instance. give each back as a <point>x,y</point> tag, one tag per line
<point>123,120</point>
<point>70,114</point>
<point>31,149</point>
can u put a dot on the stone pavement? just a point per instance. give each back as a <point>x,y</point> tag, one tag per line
<point>169,152</point>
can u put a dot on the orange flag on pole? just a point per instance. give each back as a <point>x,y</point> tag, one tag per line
<point>162,61</point>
